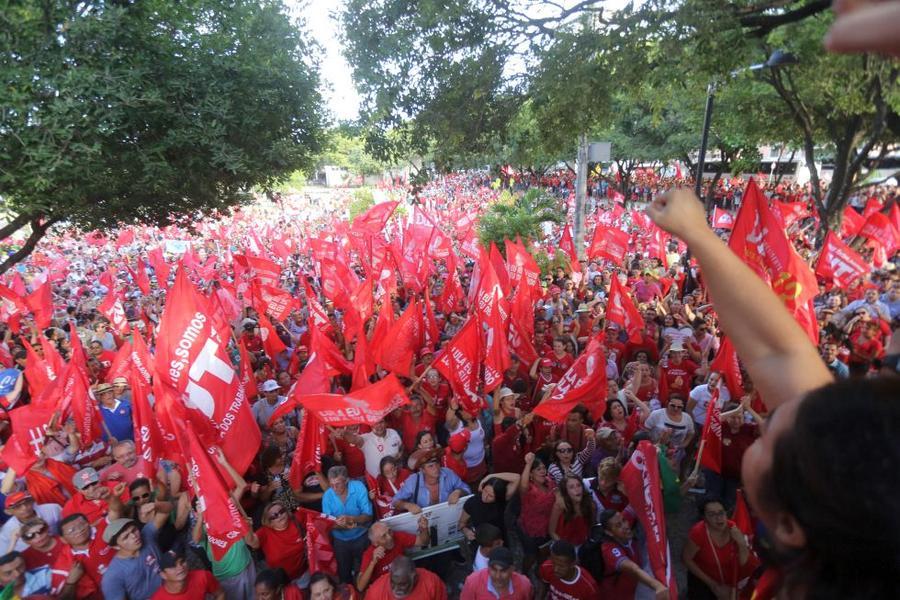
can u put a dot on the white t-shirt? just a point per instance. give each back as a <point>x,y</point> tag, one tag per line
<point>50,513</point>
<point>480,562</point>
<point>474,454</point>
<point>701,395</point>
<point>375,448</point>
<point>659,420</point>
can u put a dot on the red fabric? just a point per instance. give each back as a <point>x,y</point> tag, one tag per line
<point>94,510</point>
<point>722,219</point>
<point>371,222</point>
<point>584,383</point>
<point>567,245</point>
<point>643,488</point>
<point>609,243</point>
<point>741,517</point>
<point>734,445</point>
<point>459,362</point>
<point>493,313</point>
<point>726,363</point>
<point>284,549</point>
<point>112,309</point>
<point>95,558</point>
<point>581,586</point>
<point>616,585</point>
<point>35,558</point>
<point>199,584</point>
<point>402,542</point>
<point>367,405</point>
<point>711,437</point>
<point>319,551</point>
<point>879,227</point>
<point>40,303</point>
<point>312,440</point>
<point>575,531</point>
<point>37,372</point>
<point>428,587</point>
<point>731,570</point>
<point>395,353</point>
<point>622,311</point>
<point>670,376</point>
<point>839,263</point>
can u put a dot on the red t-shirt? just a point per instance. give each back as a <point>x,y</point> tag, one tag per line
<point>672,372</point>
<point>428,587</point>
<point>284,549</point>
<point>616,585</point>
<point>731,571</point>
<point>410,428</point>
<point>353,458</point>
<point>199,584</point>
<point>402,542</point>
<point>36,558</point>
<point>733,447</point>
<point>94,510</point>
<point>94,559</point>
<point>580,587</point>
<point>561,364</point>
<point>458,466</point>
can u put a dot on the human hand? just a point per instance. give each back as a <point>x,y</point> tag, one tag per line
<point>864,26</point>
<point>119,489</point>
<point>589,433</point>
<point>470,535</point>
<point>75,573</point>
<point>413,508</point>
<point>529,458</point>
<point>678,212</point>
<point>145,511</point>
<point>379,553</point>
<point>662,593</point>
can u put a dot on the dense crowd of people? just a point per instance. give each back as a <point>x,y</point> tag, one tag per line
<point>543,511</point>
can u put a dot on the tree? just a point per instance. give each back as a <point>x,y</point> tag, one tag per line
<point>149,111</point>
<point>515,215</point>
<point>345,147</point>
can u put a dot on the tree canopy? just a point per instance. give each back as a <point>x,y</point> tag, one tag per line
<point>149,111</point>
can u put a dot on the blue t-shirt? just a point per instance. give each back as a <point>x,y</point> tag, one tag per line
<point>118,421</point>
<point>357,504</point>
<point>134,578</point>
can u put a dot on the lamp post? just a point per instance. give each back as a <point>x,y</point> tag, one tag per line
<point>779,58</point>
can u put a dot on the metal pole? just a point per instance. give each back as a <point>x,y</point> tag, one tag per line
<point>701,159</point>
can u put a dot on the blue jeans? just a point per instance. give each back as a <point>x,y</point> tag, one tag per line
<point>723,488</point>
<point>348,554</point>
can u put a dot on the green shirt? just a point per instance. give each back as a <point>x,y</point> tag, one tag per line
<point>233,563</point>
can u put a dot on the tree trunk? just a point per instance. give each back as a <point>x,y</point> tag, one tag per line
<point>580,193</point>
<point>38,230</point>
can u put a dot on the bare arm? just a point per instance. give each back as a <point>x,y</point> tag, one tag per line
<point>779,357</point>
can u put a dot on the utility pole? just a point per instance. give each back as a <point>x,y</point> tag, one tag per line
<point>581,176</point>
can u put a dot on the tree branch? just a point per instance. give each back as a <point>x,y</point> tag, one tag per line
<point>38,230</point>
<point>13,226</point>
<point>763,24</point>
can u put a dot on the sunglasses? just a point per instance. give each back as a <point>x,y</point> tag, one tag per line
<point>678,406</point>
<point>277,513</point>
<point>33,534</point>
<point>565,450</point>
<point>90,485</point>
<point>145,496</point>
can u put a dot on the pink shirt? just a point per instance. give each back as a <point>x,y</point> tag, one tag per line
<point>477,583</point>
<point>140,469</point>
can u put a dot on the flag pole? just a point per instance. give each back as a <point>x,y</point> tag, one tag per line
<point>699,456</point>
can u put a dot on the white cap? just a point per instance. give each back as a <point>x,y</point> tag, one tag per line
<point>270,385</point>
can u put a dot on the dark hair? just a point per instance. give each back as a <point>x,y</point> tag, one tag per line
<point>73,517</point>
<point>586,505</point>
<point>605,517</point>
<point>320,576</point>
<point>9,557</point>
<point>507,422</point>
<point>563,548</point>
<point>607,414</point>
<point>139,482</point>
<point>422,434</point>
<point>499,486</point>
<point>706,501</point>
<point>269,456</point>
<point>487,533</point>
<point>825,477</point>
<point>273,579</point>
<point>388,460</point>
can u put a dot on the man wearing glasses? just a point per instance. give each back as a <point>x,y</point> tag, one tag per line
<point>94,499</point>
<point>80,567</point>
<point>672,427</point>
<point>20,507</point>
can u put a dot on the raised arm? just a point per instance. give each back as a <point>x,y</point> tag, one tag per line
<point>782,361</point>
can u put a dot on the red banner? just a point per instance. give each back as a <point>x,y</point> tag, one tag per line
<point>460,363</point>
<point>147,434</point>
<point>622,311</point>
<point>366,405</point>
<point>722,219</point>
<point>112,309</point>
<point>840,263</point>
<point>711,437</point>
<point>396,351</point>
<point>29,425</point>
<point>609,243</point>
<point>584,383</point>
<point>643,489</point>
<point>311,443</point>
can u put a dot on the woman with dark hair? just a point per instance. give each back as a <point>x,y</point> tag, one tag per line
<point>616,416</point>
<point>621,561</point>
<point>828,452</point>
<point>282,540</point>
<point>489,504</point>
<point>537,495</point>
<point>323,586</point>
<point>272,483</point>
<point>566,462</point>
<point>573,512</point>
<point>272,584</point>
<point>390,478</point>
<point>716,555</point>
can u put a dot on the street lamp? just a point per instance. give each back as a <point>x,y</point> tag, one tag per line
<point>779,58</point>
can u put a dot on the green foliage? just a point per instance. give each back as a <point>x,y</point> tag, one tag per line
<point>294,182</point>
<point>150,111</point>
<point>345,147</point>
<point>363,199</point>
<point>518,215</point>
<point>548,264</point>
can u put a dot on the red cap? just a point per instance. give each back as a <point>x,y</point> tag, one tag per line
<point>425,352</point>
<point>460,441</point>
<point>546,362</point>
<point>16,498</point>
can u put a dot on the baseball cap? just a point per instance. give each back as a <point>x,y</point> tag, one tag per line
<point>17,498</point>
<point>114,528</point>
<point>459,441</point>
<point>270,385</point>
<point>170,559</point>
<point>546,362</point>
<point>501,557</point>
<point>85,477</point>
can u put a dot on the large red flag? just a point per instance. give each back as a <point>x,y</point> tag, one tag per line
<point>711,437</point>
<point>366,405</point>
<point>726,363</point>
<point>147,434</point>
<point>272,344</point>
<point>40,302</point>
<point>879,227</point>
<point>567,245</point>
<point>371,222</point>
<point>584,383</point>
<point>141,278</point>
<point>121,364</point>
<point>610,243</point>
<point>29,426</point>
<point>38,373</point>
<point>493,311</point>
<point>191,357</point>
<point>160,267</point>
<point>839,262</point>
<point>272,300</point>
<point>311,443</point>
<point>248,378</point>
<point>112,309</point>
<point>315,379</point>
<point>14,306</point>
<point>319,551</point>
<point>77,400</point>
<point>722,219</point>
<point>622,311</point>
<point>644,491</point>
<point>523,269</point>
<point>396,351</point>
<point>224,521</point>
<point>141,359</point>
<point>460,363</point>
<point>759,240</point>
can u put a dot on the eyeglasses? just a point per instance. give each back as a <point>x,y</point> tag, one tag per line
<point>33,534</point>
<point>76,529</point>
<point>142,496</point>
<point>677,406</point>
<point>564,450</point>
<point>90,485</point>
<point>277,513</point>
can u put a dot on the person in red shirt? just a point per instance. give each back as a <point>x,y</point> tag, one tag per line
<point>271,585</point>
<point>542,380</point>
<point>408,582</point>
<point>677,375</point>
<point>865,347</point>
<point>413,420</point>
<point>436,393</point>
<point>426,357</point>
<point>453,453</point>
<point>564,579</point>
<point>281,540</point>
<point>621,561</point>
<point>386,545</point>
<point>615,347</point>
<point>716,554</point>
<point>178,583</point>
<point>43,547</point>
<point>560,359</point>
<point>347,454</point>
<point>510,446</point>
<point>85,560</point>
<point>94,500</point>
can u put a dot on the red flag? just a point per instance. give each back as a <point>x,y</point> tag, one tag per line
<point>759,240</point>
<point>711,437</point>
<point>873,205</point>
<point>315,379</point>
<point>248,378</point>
<point>14,306</point>
<point>121,364</point>
<point>584,383</point>
<point>319,551</point>
<point>567,245</point>
<point>112,309</point>
<point>267,271</point>
<point>372,221</point>
<point>191,357</point>
<point>453,292</point>
<point>460,363</point>
<point>851,222</point>
<point>493,312</point>
<point>77,400</point>
<point>609,243</point>
<point>141,359</point>
<point>523,269</point>
<point>622,311</point>
<point>40,303</point>
<point>500,268</point>
<point>741,517</point>
<point>38,373</point>
<point>29,425</point>
<point>224,521</point>
<point>272,300</point>
<point>316,312</point>
<point>141,278</point>
<point>272,344</point>
<point>311,443</point>
<point>878,227</point>
<point>160,267</point>
<point>366,405</point>
<point>147,435</point>
<point>520,340</point>
<point>396,352</point>
<point>431,331</point>
<point>722,219</point>
<point>840,263</point>
<point>644,491</point>
<point>726,363</point>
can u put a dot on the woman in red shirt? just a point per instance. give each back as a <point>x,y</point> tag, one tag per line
<point>537,495</point>
<point>716,555</point>
<point>281,540</point>
<point>572,513</point>
<point>390,478</point>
